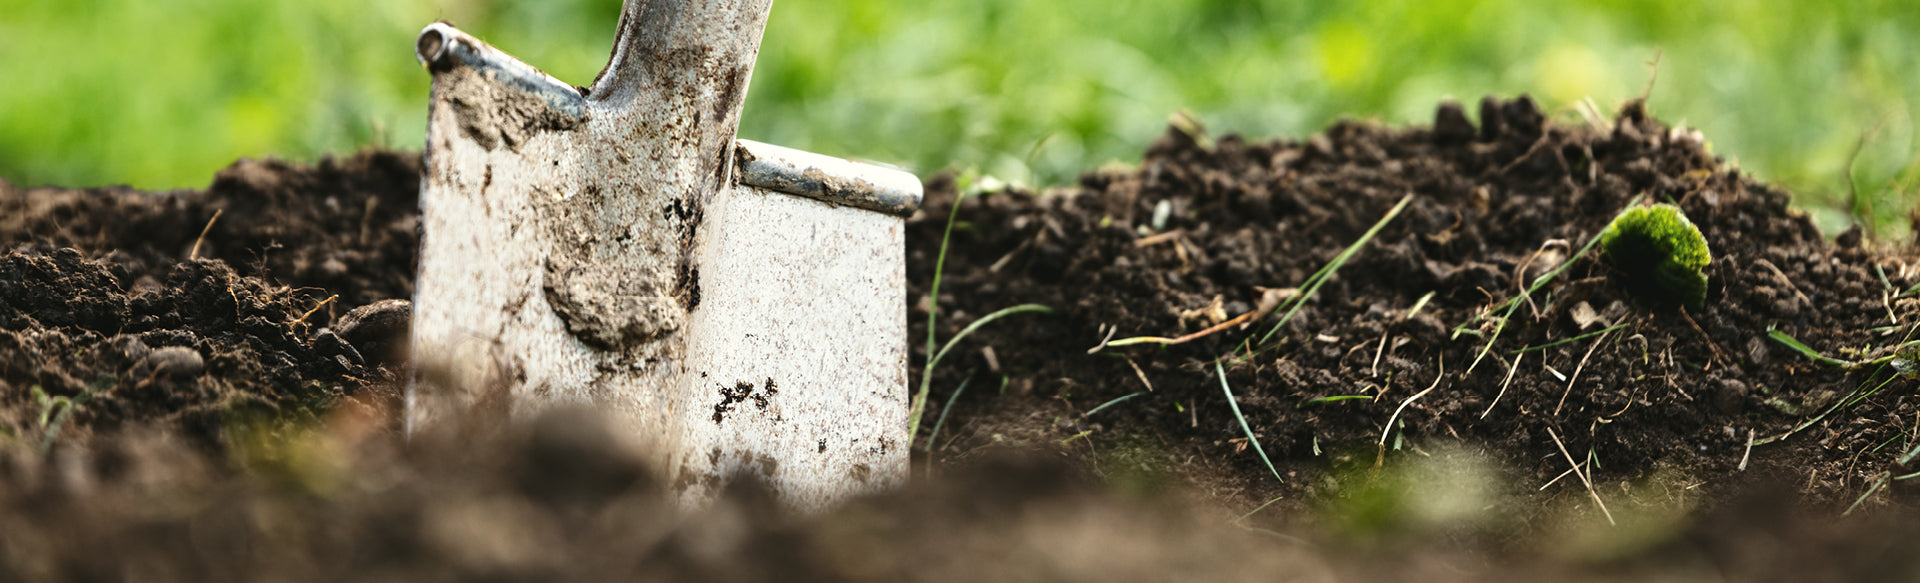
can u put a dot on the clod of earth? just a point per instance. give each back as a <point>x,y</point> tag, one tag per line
<point>378,331</point>
<point>1661,252</point>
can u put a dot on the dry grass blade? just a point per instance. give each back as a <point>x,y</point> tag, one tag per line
<point>1269,299</point>
<point>1583,477</point>
<point>1748,453</point>
<point>1504,384</point>
<point>1382,454</point>
<point>1576,371</point>
<point>195,253</point>
<point>1140,373</point>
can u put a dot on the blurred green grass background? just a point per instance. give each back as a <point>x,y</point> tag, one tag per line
<point>162,94</point>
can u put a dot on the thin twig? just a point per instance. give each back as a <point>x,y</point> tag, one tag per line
<point>316,308</point>
<point>1749,452</point>
<point>1717,352</point>
<point>1583,477</point>
<point>1139,373</point>
<point>1268,301</point>
<point>195,253</point>
<point>1159,238</point>
<point>1375,371</point>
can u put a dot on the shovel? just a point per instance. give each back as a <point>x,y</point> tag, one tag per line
<point>739,308</point>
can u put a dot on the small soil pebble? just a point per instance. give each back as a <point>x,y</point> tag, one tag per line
<point>131,348</point>
<point>173,361</point>
<point>378,330</point>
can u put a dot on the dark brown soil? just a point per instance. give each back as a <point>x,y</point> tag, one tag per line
<point>1668,393</point>
<point>96,281</point>
<point>229,433</point>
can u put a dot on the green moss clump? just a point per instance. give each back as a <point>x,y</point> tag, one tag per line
<point>1661,253</point>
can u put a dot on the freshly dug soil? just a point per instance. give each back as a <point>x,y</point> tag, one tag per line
<point>1667,393</point>
<point>99,286</point>
<point>233,423</point>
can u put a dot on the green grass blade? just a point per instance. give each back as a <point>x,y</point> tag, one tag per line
<point>1320,400</point>
<point>933,308</point>
<point>1513,304</point>
<point>1538,282</point>
<point>1573,339</point>
<point>1877,485</point>
<point>984,320</point>
<point>1243,421</point>
<point>1115,401</point>
<point>1312,285</point>
<point>942,422</point>
<point>926,373</point>
<point>1808,351</point>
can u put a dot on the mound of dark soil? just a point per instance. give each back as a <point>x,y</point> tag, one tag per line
<point>1145,251</point>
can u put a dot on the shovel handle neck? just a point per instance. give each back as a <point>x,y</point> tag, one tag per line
<point>681,43</point>
<point>443,48</point>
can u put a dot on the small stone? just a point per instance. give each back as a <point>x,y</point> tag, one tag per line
<point>130,347</point>
<point>327,342</point>
<point>380,331</point>
<point>1757,352</point>
<point>333,267</point>
<point>174,361</point>
<point>1731,397</point>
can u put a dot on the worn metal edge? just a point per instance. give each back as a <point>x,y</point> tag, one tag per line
<point>442,46</point>
<point>826,178</point>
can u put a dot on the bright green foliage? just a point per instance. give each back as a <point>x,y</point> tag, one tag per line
<point>163,94</point>
<point>1661,252</point>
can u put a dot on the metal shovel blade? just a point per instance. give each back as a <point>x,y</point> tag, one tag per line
<point>739,307</point>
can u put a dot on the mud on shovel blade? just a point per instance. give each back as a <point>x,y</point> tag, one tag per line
<point>738,307</point>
